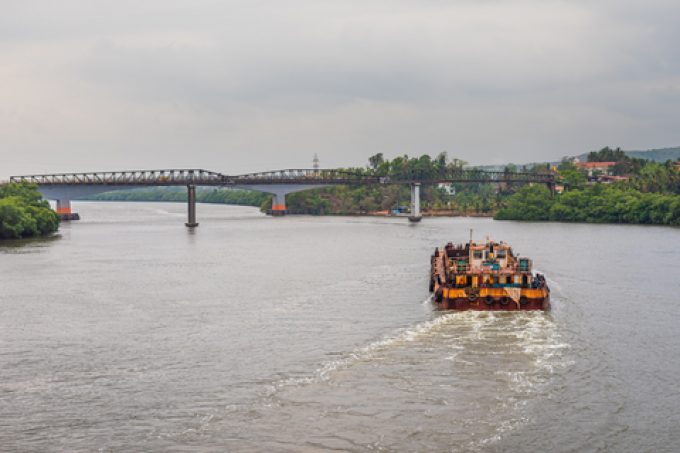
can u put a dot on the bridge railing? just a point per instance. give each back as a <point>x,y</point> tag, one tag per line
<point>302,176</point>
<point>482,176</point>
<point>130,177</point>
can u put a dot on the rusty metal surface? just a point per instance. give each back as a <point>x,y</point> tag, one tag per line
<point>475,298</point>
<point>130,177</point>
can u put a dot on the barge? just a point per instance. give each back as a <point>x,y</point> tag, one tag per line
<point>486,276</point>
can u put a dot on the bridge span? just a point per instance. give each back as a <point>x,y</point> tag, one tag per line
<point>64,187</point>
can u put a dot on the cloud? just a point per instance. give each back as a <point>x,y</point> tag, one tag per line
<point>248,85</point>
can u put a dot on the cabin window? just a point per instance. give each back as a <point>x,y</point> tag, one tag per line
<point>500,254</point>
<point>478,254</point>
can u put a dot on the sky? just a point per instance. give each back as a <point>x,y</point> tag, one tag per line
<point>240,86</point>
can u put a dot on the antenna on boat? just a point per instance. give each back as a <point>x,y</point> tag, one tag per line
<point>470,236</point>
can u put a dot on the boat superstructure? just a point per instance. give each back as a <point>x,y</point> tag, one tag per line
<point>486,276</point>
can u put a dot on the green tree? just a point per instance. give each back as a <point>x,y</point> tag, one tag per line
<point>532,202</point>
<point>376,161</point>
<point>573,178</point>
<point>23,212</point>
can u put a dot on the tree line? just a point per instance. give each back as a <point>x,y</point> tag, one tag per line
<point>179,194</point>
<point>651,195</point>
<point>598,203</point>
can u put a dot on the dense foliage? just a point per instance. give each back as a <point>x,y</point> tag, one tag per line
<point>655,177</point>
<point>599,203</point>
<point>650,195</point>
<point>23,212</point>
<point>224,196</point>
<point>625,165</point>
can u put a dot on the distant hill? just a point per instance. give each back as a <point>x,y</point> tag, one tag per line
<point>656,155</point>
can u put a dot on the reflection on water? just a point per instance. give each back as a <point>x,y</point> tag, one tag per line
<point>30,245</point>
<point>128,332</point>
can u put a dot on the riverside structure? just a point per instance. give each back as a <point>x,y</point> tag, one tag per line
<point>64,187</point>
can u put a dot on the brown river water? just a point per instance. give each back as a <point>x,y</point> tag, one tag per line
<point>129,332</point>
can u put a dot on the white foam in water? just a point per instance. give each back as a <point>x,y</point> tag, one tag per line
<point>476,320</point>
<point>542,341</point>
<point>366,353</point>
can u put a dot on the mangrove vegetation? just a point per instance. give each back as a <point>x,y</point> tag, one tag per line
<point>24,213</point>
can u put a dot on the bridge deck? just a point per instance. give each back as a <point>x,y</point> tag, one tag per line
<point>201,177</point>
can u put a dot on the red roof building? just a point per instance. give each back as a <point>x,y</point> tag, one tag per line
<point>603,167</point>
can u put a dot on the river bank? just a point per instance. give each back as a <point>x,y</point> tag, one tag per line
<point>427,213</point>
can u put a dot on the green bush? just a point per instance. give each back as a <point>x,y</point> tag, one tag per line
<point>23,212</point>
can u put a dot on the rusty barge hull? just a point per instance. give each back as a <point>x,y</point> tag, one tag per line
<point>452,300</point>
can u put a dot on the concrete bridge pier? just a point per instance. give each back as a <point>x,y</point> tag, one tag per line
<point>279,192</point>
<point>191,206</point>
<point>64,210</point>
<point>279,204</point>
<point>415,203</point>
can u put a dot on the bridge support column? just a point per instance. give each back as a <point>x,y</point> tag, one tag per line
<point>279,204</point>
<point>64,210</point>
<point>279,192</point>
<point>415,203</point>
<point>191,206</point>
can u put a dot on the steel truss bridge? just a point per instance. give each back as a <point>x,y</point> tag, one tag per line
<point>201,177</point>
<point>64,187</point>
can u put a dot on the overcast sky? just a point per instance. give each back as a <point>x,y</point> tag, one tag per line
<point>237,86</point>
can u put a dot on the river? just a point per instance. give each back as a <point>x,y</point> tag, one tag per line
<point>129,332</point>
